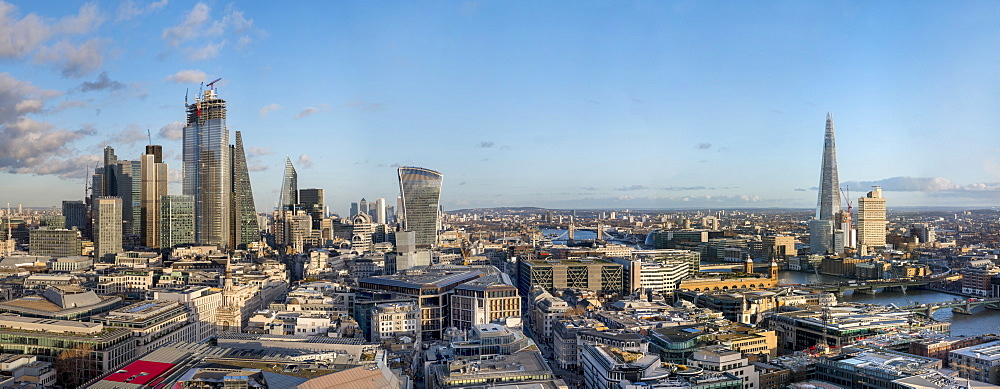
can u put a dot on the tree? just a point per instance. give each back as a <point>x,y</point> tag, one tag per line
<point>76,366</point>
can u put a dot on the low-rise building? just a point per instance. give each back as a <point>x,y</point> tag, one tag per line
<point>980,362</point>
<point>390,320</point>
<point>725,360</point>
<point>484,300</point>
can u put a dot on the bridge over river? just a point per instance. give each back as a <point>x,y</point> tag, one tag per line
<point>868,287</point>
<point>963,306</point>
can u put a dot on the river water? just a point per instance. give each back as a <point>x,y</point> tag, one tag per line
<point>981,321</point>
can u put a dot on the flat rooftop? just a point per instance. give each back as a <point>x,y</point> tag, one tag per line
<point>432,277</point>
<point>986,351</point>
<point>14,322</point>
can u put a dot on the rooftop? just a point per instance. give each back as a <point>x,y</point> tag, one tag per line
<point>432,277</point>
<point>986,351</point>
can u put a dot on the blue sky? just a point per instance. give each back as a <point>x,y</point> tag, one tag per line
<point>613,104</point>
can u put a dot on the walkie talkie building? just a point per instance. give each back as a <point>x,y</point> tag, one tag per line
<point>421,192</point>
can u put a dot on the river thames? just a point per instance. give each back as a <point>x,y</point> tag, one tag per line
<point>981,321</point>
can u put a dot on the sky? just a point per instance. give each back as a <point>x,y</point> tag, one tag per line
<point>556,104</point>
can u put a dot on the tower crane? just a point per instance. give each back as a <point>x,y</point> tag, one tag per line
<point>211,85</point>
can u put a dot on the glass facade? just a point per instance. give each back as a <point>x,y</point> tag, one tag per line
<point>176,220</point>
<point>244,228</point>
<point>421,193</point>
<point>207,168</point>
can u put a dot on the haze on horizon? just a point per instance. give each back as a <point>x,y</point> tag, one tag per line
<point>597,105</point>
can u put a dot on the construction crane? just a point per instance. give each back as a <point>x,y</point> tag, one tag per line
<point>211,85</point>
<point>847,198</point>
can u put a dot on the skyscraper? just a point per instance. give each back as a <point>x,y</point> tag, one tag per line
<point>75,213</point>
<point>154,186</point>
<point>871,221</point>
<point>128,178</point>
<point>207,168</point>
<point>289,187</point>
<point>822,229</point>
<point>363,207</point>
<point>107,228</point>
<point>176,220</point>
<point>420,190</point>
<point>311,201</point>
<point>244,228</point>
<point>380,216</point>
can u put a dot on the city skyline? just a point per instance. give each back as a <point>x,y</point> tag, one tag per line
<point>640,105</point>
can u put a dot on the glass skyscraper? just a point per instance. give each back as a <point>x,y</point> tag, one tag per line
<point>421,193</point>
<point>289,187</point>
<point>244,227</point>
<point>176,220</point>
<point>822,229</point>
<point>207,167</point>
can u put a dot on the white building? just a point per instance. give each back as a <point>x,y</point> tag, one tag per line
<point>394,319</point>
<point>871,221</point>
<point>723,359</point>
<point>203,303</point>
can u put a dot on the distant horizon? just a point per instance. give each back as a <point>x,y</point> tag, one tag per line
<point>653,105</point>
<point>790,209</point>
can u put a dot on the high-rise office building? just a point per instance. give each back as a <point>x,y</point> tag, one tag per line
<point>354,209</point>
<point>823,228</point>
<point>154,186</point>
<point>420,190</point>
<point>176,220</point>
<point>311,201</point>
<point>75,213</point>
<point>207,168</point>
<point>244,228</point>
<point>289,187</point>
<point>380,216</point>
<point>363,207</point>
<point>871,221</point>
<point>107,228</point>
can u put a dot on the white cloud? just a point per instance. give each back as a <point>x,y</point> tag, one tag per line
<point>268,108</point>
<point>258,151</point>
<point>24,36</point>
<point>209,51</point>
<point>73,60</point>
<point>923,184</point>
<point>129,9</point>
<point>30,146</point>
<point>129,136</point>
<point>103,82</point>
<point>210,35</point>
<point>188,76</point>
<point>308,111</point>
<point>190,28</point>
<point>172,131</point>
<point>174,175</point>
<point>305,161</point>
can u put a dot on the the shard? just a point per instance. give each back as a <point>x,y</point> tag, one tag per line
<point>829,184</point>
<point>822,231</point>
<point>244,227</point>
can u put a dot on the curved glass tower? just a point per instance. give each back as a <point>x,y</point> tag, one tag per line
<point>289,187</point>
<point>421,193</point>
